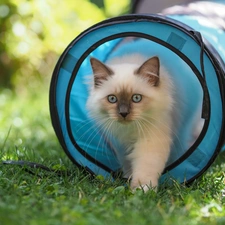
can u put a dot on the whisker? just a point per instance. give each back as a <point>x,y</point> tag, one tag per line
<point>101,128</point>
<point>177,153</point>
<point>168,127</point>
<point>148,130</point>
<point>89,128</point>
<point>85,124</point>
<point>140,128</point>
<point>105,136</point>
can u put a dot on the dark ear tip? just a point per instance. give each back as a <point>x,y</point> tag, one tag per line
<point>92,59</point>
<point>95,61</point>
<point>156,58</point>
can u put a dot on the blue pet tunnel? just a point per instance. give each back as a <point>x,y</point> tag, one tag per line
<point>193,51</point>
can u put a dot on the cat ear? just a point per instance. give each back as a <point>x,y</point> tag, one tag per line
<point>100,70</point>
<point>150,70</point>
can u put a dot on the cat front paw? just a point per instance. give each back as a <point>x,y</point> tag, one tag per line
<point>135,185</point>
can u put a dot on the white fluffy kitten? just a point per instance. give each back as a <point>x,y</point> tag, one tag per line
<point>135,97</point>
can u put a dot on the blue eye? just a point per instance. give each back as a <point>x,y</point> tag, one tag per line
<point>136,98</point>
<point>112,98</point>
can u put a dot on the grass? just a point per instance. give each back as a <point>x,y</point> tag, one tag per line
<point>77,198</point>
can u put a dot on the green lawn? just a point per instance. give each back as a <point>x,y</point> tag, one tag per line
<point>76,198</point>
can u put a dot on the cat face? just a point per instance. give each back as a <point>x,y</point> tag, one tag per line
<point>126,92</point>
<point>124,105</point>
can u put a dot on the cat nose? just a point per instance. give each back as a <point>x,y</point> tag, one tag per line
<point>124,114</point>
<point>123,110</point>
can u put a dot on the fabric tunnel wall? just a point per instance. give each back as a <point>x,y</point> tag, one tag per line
<point>193,49</point>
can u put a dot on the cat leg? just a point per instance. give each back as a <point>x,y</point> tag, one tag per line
<point>148,159</point>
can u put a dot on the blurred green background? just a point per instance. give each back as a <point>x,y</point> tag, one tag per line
<point>34,33</point>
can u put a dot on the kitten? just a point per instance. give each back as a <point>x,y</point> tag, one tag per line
<point>135,96</point>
